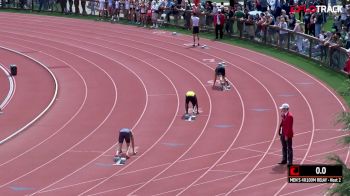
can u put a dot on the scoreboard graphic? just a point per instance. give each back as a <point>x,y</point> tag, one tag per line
<point>315,174</point>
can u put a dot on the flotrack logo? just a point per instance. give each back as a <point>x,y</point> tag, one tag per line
<point>318,8</point>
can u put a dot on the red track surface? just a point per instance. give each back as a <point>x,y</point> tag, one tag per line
<point>31,94</point>
<point>114,76</point>
<point>5,87</point>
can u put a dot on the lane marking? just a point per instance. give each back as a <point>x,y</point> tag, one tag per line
<point>21,188</point>
<point>158,95</point>
<point>287,95</point>
<point>184,160</point>
<point>172,144</point>
<point>223,126</point>
<point>47,107</point>
<point>260,109</point>
<point>209,60</point>
<point>11,89</point>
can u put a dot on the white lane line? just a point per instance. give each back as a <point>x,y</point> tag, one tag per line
<point>65,124</point>
<point>11,91</point>
<point>47,107</point>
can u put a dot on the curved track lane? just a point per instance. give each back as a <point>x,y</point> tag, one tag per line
<point>231,147</point>
<point>31,99</point>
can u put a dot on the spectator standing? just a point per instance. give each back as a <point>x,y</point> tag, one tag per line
<point>264,5</point>
<point>101,9</point>
<point>318,24</point>
<point>143,13</point>
<point>301,6</point>
<point>307,19</point>
<point>292,21</point>
<point>249,24</point>
<point>299,39</point>
<point>215,9</point>
<point>343,15</point>
<point>116,10</point>
<point>208,13</point>
<point>126,12</point>
<point>239,17</point>
<point>92,6</point>
<point>283,35</point>
<point>76,7</point>
<point>312,24</point>
<point>230,21</point>
<point>155,12</point>
<point>70,6</point>
<point>168,10</point>
<point>83,6</point>
<point>322,37</point>
<point>219,21</point>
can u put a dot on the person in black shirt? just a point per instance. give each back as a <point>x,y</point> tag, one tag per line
<point>307,19</point>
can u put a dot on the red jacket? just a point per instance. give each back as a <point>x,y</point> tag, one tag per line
<point>287,125</point>
<point>221,17</point>
<point>347,66</point>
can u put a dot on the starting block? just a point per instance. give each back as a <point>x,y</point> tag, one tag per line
<point>189,117</point>
<point>204,47</point>
<point>189,44</point>
<point>119,160</point>
<point>224,87</point>
<point>174,33</point>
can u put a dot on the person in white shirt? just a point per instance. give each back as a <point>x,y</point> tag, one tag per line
<point>117,9</point>
<point>195,28</point>
<point>101,8</point>
<point>126,9</point>
<point>215,9</point>
<point>155,12</point>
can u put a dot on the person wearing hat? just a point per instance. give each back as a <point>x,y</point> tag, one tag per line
<point>221,73</point>
<point>191,97</point>
<point>286,133</point>
<point>299,38</point>
<point>127,135</point>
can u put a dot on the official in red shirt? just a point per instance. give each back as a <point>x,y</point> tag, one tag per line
<point>286,133</point>
<point>219,20</point>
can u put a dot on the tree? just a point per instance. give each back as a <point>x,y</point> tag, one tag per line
<point>344,118</point>
<point>342,189</point>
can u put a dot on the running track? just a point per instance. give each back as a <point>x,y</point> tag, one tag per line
<point>113,76</point>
